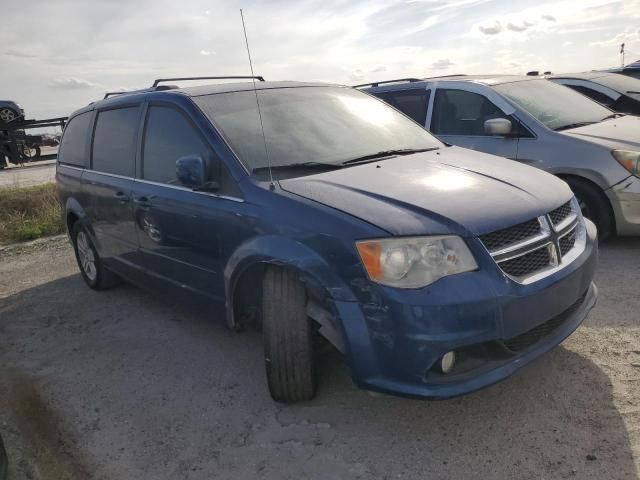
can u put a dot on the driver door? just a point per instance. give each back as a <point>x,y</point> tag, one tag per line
<point>458,119</point>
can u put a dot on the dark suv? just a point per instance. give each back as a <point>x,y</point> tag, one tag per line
<point>320,211</point>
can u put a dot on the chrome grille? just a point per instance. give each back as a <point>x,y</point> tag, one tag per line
<point>527,264</point>
<point>567,242</point>
<point>529,250</point>
<point>560,213</point>
<point>508,236</point>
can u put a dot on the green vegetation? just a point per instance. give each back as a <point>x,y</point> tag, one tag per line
<point>28,213</point>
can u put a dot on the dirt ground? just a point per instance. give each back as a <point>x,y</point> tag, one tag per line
<point>29,174</point>
<point>121,384</point>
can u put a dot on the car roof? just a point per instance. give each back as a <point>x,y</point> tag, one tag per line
<point>583,75</point>
<point>116,98</point>
<point>488,80</point>
<point>484,79</point>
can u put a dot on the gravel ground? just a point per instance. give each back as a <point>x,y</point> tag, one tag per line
<point>28,175</point>
<point>121,384</point>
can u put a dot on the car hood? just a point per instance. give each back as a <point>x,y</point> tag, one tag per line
<point>622,132</point>
<point>452,190</point>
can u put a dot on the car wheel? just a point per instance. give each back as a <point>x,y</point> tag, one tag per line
<point>594,205</point>
<point>91,267</point>
<point>7,115</point>
<point>287,332</point>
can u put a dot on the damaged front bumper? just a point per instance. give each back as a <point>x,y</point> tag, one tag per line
<point>494,325</point>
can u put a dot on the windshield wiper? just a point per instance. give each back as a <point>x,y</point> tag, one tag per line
<point>613,115</point>
<point>301,166</point>
<point>386,153</point>
<point>573,125</point>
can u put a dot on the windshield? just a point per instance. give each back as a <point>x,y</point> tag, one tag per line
<point>554,105</point>
<point>619,83</point>
<point>325,125</point>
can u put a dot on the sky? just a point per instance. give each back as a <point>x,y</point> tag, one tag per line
<point>58,55</point>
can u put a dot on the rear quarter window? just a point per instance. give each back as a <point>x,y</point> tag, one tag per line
<point>114,141</point>
<point>73,148</point>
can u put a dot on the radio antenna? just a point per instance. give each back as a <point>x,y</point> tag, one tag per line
<point>255,91</point>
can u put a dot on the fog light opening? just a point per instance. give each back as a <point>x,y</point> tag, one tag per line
<point>447,362</point>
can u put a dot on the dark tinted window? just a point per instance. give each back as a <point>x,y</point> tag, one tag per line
<point>73,148</point>
<point>168,136</point>
<point>592,94</point>
<point>458,112</point>
<point>412,103</point>
<point>114,141</point>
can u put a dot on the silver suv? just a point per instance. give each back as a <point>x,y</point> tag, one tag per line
<point>540,123</point>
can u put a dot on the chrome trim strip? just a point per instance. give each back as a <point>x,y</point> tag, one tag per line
<point>186,189</point>
<point>71,167</point>
<point>571,218</point>
<point>523,252</point>
<point>519,245</point>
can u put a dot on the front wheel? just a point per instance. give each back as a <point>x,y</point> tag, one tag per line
<point>594,205</point>
<point>93,272</point>
<point>288,333</point>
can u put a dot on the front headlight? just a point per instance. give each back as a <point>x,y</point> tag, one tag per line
<point>414,262</point>
<point>629,160</point>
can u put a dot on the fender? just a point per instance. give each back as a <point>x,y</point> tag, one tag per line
<point>282,251</point>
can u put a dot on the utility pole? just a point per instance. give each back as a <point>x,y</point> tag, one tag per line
<point>622,54</point>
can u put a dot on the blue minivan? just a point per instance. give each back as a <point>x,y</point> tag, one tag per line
<point>322,213</point>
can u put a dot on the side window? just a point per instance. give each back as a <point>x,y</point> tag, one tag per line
<point>114,141</point>
<point>168,136</point>
<point>592,94</point>
<point>73,147</point>
<point>412,103</point>
<point>458,112</point>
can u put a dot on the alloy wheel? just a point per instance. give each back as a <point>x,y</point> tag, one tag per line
<point>86,256</point>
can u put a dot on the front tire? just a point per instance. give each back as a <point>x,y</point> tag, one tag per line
<point>288,333</point>
<point>95,275</point>
<point>594,205</point>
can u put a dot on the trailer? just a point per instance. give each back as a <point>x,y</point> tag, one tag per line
<point>19,147</point>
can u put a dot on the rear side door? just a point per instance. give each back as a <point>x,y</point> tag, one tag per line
<point>181,231</point>
<point>458,118</point>
<point>413,102</point>
<point>109,183</point>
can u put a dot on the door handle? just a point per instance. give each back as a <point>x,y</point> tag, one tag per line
<point>142,201</point>
<point>122,197</point>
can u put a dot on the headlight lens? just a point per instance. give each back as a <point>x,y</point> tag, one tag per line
<point>629,160</point>
<point>414,262</point>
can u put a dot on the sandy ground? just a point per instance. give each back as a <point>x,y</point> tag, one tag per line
<point>121,384</point>
<point>30,174</point>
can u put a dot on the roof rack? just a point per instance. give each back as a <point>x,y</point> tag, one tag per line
<point>181,79</point>
<point>375,84</point>
<point>152,89</point>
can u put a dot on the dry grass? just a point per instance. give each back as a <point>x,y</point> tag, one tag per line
<point>28,213</point>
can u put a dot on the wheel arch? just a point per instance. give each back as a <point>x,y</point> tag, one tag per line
<point>598,188</point>
<point>249,261</point>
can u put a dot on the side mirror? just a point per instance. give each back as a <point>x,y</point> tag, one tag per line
<point>498,127</point>
<point>192,172</point>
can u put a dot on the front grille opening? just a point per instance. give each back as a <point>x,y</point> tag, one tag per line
<point>560,213</point>
<point>508,236</point>
<point>533,336</point>
<point>567,242</point>
<point>527,264</point>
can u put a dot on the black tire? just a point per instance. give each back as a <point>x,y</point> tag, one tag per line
<point>288,334</point>
<point>99,278</point>
<point>594,205</point>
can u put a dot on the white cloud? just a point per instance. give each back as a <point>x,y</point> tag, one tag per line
<point>73,83</point>
<point>519,27</point>
<point>491,29</point>
<point>442,64</point>
<point>207,53</point>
